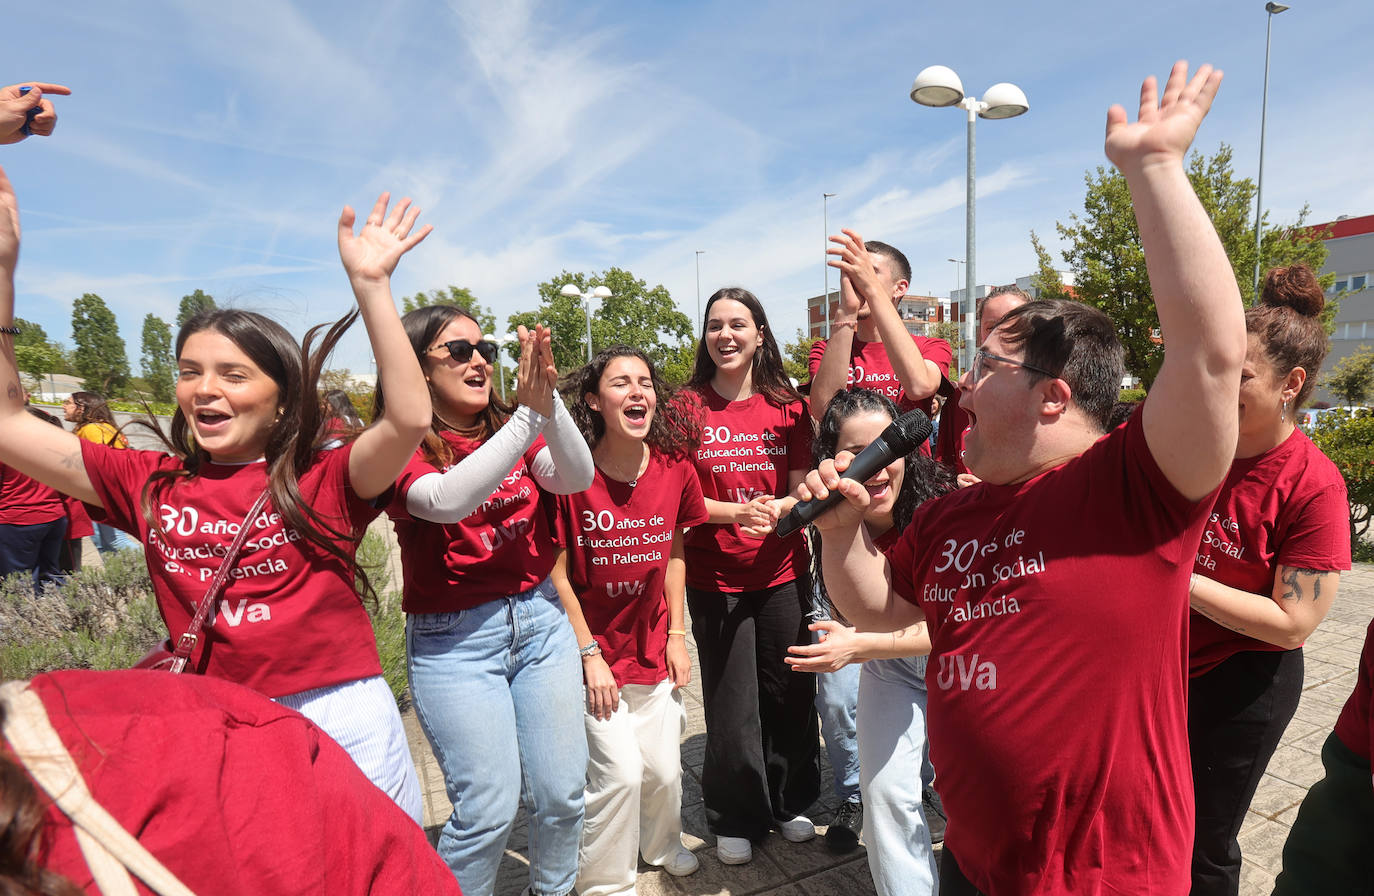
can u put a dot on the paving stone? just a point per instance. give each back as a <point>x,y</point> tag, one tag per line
<point>1262,845</point>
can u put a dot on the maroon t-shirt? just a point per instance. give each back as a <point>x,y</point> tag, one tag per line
<point>1356,723</point>
<point>231,792</point>
<point>870,367</point>
<point>1058,676</point>
<point>27,502</point>
<point>748,448</point>
<point>502,548</point>
<point>949,441</point>
<point>618,538</point>
<point>289,618</point>
<point>1286,506</point>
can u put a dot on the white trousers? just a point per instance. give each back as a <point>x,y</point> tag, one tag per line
<point>634,788</point>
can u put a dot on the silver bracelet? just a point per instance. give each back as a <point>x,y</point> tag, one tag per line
<point>591,649</point>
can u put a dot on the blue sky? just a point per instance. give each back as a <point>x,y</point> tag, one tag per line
<point>212,145</point>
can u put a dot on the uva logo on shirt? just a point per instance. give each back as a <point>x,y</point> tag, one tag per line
<point>627,589</point>
<point>235,614</point>
<point>966,673</point>
<point>496,536</point>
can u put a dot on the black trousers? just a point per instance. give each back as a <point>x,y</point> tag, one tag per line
<point>952,880</point>
<point>35,549</point>
<point>1236,714</point>
<point>762,735</point>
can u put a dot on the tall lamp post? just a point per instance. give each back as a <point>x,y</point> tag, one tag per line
<point>700,252</point>
<point>1273,9</point>
<point>939,86</point>
<point>599,292</point>
<point>825,256</point>
<point>501,341</point>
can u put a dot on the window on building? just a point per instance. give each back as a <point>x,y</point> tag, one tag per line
<point>1357,283</point>
<point>1341,285</point>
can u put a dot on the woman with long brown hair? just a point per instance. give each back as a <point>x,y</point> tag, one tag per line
<point>747,590</point>
<point>94,421</point>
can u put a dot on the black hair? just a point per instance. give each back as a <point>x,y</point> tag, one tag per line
<point>423,326</point>
<point>768,375</point>
<point>674,430</point>
<point>1076,343</point>
<point>900,266</point>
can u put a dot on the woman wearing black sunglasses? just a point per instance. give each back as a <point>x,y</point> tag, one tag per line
<point>493,663</point>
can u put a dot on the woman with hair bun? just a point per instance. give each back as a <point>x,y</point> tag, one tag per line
<point>1266,573</point>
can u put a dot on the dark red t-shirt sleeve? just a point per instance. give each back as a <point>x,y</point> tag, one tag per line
<point>937,351</point>
<point>691,510</point>
<point>1353,726</point>
<point>1319,537</point>
<point>813,360</point>
<point>118,476</point>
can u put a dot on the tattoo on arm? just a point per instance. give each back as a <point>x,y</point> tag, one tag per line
<point>13,391</point>
<point>1294,589</point>
<point>1217,619</point>
<point>73,461</point>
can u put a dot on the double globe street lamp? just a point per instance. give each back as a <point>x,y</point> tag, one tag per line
<point>939,86</point>
<point>599,292</point>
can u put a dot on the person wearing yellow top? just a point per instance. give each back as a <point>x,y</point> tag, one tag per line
<point>95,423</point>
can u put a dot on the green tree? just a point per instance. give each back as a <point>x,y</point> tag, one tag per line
<point>1105,255</point>
<point>452,295</point>
<point>952,332</point>
<point>1353,378</point>
<point>1348,439</point>
<point>635,314</point>
<point>34,354</point>
<point>192,305</point>
<point>100,357</point>
<point>157,361</point>
<point>795,355</point>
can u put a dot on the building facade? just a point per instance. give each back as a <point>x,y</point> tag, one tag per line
<point>1350,257</point>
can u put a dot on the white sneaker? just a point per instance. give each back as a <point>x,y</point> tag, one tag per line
<point>734,850</point>
<point>797,830</point>
<point>684,863</point>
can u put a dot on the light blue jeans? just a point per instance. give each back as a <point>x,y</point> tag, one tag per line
<point>894,768</point>
<point>108,539</point>
<point>498,691</point>
<point>837,701</point>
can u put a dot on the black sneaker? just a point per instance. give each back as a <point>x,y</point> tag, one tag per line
<point>843,833</point>
<point>935,815</point>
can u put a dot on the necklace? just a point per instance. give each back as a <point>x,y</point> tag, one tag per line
<point>633,476</point>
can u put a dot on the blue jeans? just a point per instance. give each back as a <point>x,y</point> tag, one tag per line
<point>498,691</point>
<point>895,767</point>
<point>35,549</point>
<point>108,539</point>
<point>837,703</point>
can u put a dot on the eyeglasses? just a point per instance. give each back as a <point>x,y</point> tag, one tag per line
<point>984,355</point>
<point>461,350</point>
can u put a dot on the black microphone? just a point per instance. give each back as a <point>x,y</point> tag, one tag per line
<point>901,437</point>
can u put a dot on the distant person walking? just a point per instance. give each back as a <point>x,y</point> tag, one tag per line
<point>95,423</point>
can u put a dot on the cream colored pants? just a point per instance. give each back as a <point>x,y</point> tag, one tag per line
<point>634,789</point>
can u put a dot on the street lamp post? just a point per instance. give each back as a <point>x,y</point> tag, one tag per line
<point>1272,9</point>
<point>502,341</point>
<point>825,256</point>
<point>599,292</point>
<point>700,252</point>
<point>939,86</point>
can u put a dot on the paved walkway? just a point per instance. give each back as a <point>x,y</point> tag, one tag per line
<point>781,868</point>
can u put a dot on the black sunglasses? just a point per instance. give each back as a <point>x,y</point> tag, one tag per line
<point>461,350</point>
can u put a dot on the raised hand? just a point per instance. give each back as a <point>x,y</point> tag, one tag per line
<point>851,257</point>
<point>836,648</point>
<point>536,374</point>
<point>371,255</point>
<point>828,477</point>
<point>1165,127</point>
<point>16,104</point>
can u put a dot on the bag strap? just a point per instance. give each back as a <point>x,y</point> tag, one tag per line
<point>110,851</point>
<point>189,638</point>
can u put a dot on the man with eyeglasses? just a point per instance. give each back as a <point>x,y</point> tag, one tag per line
<point>1056,590</point>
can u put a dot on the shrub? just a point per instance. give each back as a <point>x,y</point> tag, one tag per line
<point>108,619</point>
<point>99,619</point>
<point>1348,439</point>
<point>1134,396</point>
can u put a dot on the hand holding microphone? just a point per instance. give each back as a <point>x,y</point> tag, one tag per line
<point>903,436</point>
